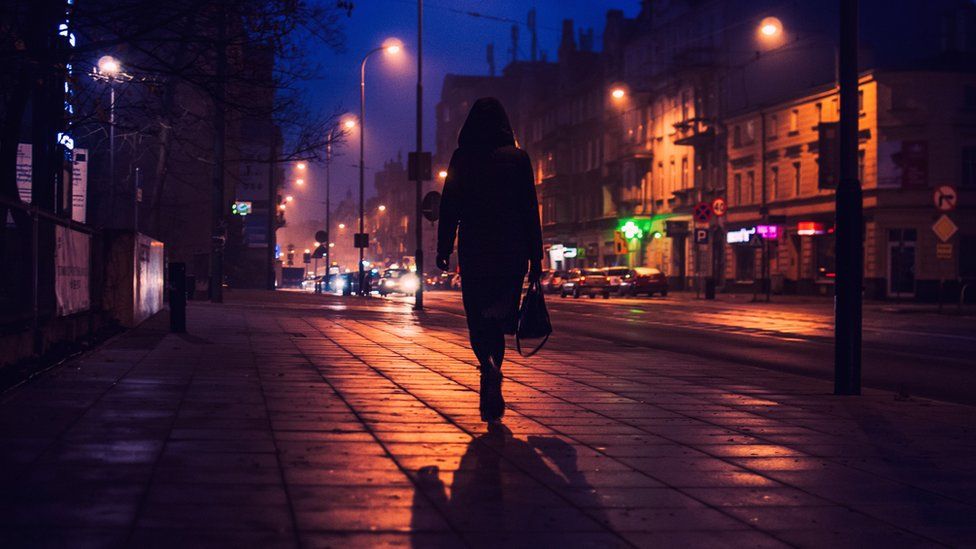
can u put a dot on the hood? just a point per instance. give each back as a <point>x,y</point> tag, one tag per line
<point>487,126</point>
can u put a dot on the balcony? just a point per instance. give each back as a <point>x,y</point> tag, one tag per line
<point>693,132</point>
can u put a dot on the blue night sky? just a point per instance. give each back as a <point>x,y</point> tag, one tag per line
<point>453,43</point>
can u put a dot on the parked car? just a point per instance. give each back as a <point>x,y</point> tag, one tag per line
<point>440,281</point>
<point>552,281</point>
<point>640,280</point>
<point>398,281</point>
<point>586,282</point>
<point>615,275</point>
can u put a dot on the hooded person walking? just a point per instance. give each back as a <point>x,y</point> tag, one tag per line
<point>489,202</point>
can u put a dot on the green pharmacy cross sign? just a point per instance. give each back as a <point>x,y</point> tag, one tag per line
<point>634,228</point>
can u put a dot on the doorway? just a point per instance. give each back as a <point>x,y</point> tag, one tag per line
<point>901,262</point>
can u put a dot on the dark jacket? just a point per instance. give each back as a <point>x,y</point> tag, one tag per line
<point>489,198</point>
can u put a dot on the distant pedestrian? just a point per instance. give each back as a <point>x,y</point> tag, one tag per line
<point>489,200</point>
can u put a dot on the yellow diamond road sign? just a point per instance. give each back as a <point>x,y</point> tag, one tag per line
<point>944,228</point>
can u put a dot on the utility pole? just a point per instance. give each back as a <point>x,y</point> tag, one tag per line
<point>418,304</point>
<point>220,130</point>
<point>272,207</point>
<point>849,249</point>
<point>328,207</point>
<point>764,210</point>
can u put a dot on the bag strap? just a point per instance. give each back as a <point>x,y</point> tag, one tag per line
<point>533,286</point>
<point>518,346</point>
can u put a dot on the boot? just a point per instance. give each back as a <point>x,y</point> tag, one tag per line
<point>492,405</point>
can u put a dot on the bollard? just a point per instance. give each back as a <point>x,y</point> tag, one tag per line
<point>177,297</point>
<point>710,288</point>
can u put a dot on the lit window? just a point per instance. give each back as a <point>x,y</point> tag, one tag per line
<point>794,120</point>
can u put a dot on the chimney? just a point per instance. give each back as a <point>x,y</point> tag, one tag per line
<point>568,43</point>
<point>535,35</point>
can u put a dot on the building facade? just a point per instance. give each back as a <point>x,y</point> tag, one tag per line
<point>694,104</point>
<point>917,133</point>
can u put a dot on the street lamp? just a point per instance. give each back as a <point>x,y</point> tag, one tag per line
<point>618,93</point>
<point>109,69</point>
<point>348,123</point>
<point>301,166</point>
<point>381,208</point>
<point>442,174</point>
<point>770,27</point>
<point>390,47</point>
<point>289,198</point>
<point>299,181</point>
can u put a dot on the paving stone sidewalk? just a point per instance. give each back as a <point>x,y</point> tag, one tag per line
<point>284,419</point>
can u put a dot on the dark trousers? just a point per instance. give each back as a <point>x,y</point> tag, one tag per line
<point>491,306</point>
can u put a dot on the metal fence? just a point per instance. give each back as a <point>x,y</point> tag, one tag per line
<point>48,293</point>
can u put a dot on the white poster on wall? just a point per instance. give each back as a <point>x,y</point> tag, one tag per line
<point>71,274</point>
<point>79,185</point>
<point>24,171</point>
<point>79,179</point>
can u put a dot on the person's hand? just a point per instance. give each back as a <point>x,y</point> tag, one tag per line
<point>535,270</point>
<point>443,262</point>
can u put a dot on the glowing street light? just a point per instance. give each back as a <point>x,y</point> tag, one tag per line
<point>299,181</point>
<point>349,124</point>
<point>770,27</point>
<point>442,174</point>
<point>289,198</point>
<point>342,225</point>
<point>381,208</point>
<point>390,47</point>
<point>301,166</point>
<point>109,66</point>
<point>618,93</point>
<point>281,207</point>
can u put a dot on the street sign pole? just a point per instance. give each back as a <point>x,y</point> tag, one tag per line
<point>849,246</point>
<point>418,304</point>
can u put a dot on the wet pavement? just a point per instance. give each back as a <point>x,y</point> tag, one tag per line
<point>316,421</point>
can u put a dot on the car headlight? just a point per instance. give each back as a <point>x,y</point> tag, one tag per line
<point>410,283</point>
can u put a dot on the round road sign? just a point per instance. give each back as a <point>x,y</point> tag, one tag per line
<point>703,212</point>
<point>945,198</point>
<point>719,207</point>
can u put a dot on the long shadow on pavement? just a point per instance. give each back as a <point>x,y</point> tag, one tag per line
<point>505,494</point>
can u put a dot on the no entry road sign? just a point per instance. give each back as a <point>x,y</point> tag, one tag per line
<point>703,212</point>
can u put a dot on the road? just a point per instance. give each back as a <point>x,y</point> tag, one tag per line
<point>916,353</point>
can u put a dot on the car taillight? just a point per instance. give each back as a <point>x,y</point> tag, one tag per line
<point>582,278</point>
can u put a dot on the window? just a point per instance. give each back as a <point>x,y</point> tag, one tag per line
<point>736,136</point>
<point>774,182</point>
<point>684,172</point>
<point>773,127</point>
<point>737,189</point>
<point>796,179</point>
<point>825,262</point>
<point>674,177</point>
<point>860,166</point>
<point>794,120</point>
<point>819,107</point>
<point>751,186</point>
<point>968,178</point>
<point>860,101</point>
<point>750,131</point>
